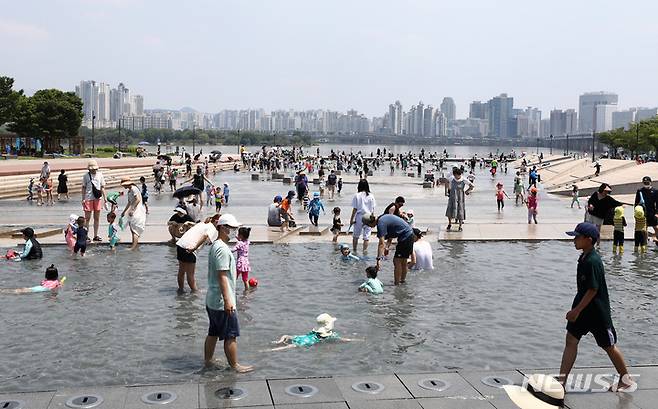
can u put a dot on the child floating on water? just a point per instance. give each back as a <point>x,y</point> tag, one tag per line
<point>325,332</point>
<point>337,224</point>
<point>372,284</point>
<point>241,249</point>
<point>112,230</point>
<point>347,253</point>
<point>618,234</point>
<point>51,283</point>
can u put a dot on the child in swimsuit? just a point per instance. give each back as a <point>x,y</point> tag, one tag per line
<point>112,230</point>
<point>347,253</point>
<point>112,198</point>
<point>50,283</point>
<point>81,234</point>
<point>241,249</point>
<point>372,285</point>
<point>337,224</point>
<point>324,332</point>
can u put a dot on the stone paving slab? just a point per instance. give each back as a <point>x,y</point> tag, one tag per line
<point>495,395</point>
<point>258,394</point>
<point>187,395</point>
<point>392,387</point>
<point>113,397</point>
<point>385,404</point>
<point>641,399</point>
<point>335,405</point>
<point>449,403</point>
<point>327,391</point>
<point>37,400</point>
<point>457,387</point>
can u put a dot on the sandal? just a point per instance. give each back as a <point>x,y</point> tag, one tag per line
<point>97,239</point>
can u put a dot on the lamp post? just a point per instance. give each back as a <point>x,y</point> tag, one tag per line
<point>193,139</point>
<point>119,142</point>
<point>637,138</point>
<point>551,144</point>
<point>537,146</point>
<point>593,140</point>
<point>567,144</point>
<point>93,120</point>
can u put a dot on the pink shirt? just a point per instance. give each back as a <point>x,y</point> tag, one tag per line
<point>51,284</point>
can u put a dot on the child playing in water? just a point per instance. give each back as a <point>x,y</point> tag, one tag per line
<point>532,205</point>
<point>337,224</point>
<point>410,217</point>
<point>518,189</point>
<point>305,201</point>
<point>574,196</point>
<point>227,192</point>
<point>640,229</point>
<point>219,197</point>
<point>145,193</point>
<point>50,283</point>
<point>30,190</point>
<point>347,253</point>
<point>314,207</point>
<point>324,332</point>
<point>112,230</point>
<point>112,198</point>
<point>69,233</point>
<point>372,284</point>
<point>241,249</point>
<point>618,234</point>
<point>48,190</point>
<point>210,194</point>
<point>500,196</point>
<point>340,185</point>
<point>81,234</point>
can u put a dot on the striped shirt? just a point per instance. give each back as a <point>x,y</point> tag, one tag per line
<point>640,223</point>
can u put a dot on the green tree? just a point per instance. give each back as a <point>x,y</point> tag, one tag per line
<point>8,99</point>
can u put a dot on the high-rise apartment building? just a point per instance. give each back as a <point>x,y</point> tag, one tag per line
<point>478,110</point>
<point>623,119</point>
<point>500,116</point>
<point>590,119</point>
<point>571,120</point>
<point>645,113</point>
<point>137,105</point>
<point>395,118</point>
<point>449,108</point>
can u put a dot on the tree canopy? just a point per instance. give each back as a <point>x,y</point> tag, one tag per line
<point>640,137</point>
<point>8,99</point>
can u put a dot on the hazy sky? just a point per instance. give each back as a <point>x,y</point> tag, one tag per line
<point>336,54</point>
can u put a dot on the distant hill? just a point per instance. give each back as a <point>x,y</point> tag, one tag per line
<point>188,109</point>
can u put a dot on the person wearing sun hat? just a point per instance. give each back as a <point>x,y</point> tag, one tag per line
<point>647,197</point>
<point>600,205</point>
<point>221,296</point>
<point>590,310</point>
<point>323,332</point>
<point>539,392</point>
<point>93,193</point>
<point>135,210</point>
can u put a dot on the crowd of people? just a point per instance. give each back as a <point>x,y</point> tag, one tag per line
<point>226,264</point>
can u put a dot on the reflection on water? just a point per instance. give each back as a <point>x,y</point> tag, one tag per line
<point>119,318</point>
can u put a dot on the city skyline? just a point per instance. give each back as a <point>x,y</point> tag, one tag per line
<point>497,117</point>
<point>301,55</point>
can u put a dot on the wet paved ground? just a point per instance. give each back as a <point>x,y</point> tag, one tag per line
<point>451,390</point>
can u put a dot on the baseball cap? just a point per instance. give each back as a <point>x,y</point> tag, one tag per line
<point>316,194</point>
<point>180,210</point>
<point>228,220</point>
<point>278,198</point>
<point>585,229</point>
<point>646,179</point>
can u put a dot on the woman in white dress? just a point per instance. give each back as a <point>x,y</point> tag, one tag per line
<point>135,210</point>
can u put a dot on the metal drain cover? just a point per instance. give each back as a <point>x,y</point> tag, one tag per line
<point>12,404</point>
<point>433,384</point>
<point>302,391</point>
<point>159,397</point>
<point>231,393</point>
<point>368,387</point>
<point>84,401</point>
<point>496,381</point>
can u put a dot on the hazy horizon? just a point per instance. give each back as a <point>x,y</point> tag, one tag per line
<point>338,55</point>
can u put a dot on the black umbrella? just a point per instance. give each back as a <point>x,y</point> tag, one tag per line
<point>216,152</point>
<point>186,191</point>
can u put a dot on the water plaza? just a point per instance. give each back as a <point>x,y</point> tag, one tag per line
<point>492,310</point>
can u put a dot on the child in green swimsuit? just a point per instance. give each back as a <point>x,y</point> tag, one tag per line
<point>324,332</point>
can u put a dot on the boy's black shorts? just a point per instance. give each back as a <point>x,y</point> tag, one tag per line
<point>605,337</point>
<point>618,238</point>
<point>222,324</point>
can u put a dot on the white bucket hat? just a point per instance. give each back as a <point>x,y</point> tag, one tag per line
<point>540,392</point>
<point>228,220</point>
<point>92,164</point>
<point>326,323</point>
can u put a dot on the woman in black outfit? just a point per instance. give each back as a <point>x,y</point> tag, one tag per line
<point>600,205</point>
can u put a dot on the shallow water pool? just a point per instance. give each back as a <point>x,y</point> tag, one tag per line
<point>119,320</point>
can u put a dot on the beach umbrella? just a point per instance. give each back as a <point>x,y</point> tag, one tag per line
<point>186,191</point>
